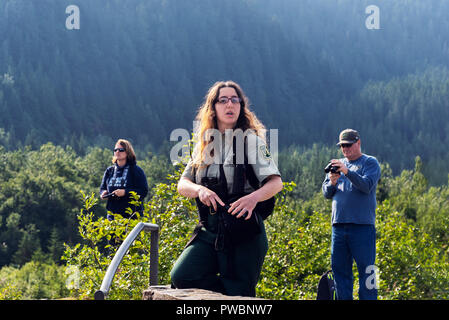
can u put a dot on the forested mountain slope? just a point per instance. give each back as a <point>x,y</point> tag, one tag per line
<point>139,69</point>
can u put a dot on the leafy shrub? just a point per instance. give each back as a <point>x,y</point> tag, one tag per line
<point>34,280</point>
<point>91,258</point>
<point>411,263</point>
<point>299,251</point>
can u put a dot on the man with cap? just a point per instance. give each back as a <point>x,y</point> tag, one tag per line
<point>352,188</point>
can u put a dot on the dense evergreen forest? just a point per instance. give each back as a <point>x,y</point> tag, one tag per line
<point>138,69</point>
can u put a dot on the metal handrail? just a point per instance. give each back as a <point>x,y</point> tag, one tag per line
<point>154,257</point>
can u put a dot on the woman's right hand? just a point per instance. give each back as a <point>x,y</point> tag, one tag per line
<point>105,192</point>
<point>189,189</point>
<point>208,197</point>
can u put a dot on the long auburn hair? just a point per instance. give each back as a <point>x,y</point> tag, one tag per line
<point>206,117</point>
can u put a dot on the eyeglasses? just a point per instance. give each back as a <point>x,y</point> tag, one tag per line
<point>346,145</point>
<point>119,149</point>
<point>225,100</point>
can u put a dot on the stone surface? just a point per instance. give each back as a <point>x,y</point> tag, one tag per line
<point>166,293</point>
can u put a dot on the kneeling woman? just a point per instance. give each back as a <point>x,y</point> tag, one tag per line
<point>216,258</point>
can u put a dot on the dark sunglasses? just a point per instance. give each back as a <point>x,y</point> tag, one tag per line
<point>346,145</point>
<point>119,149</point>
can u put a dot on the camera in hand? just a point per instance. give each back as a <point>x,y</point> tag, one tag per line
<point>227,207</point>
<point>214,184</point>
<point>108,195</point>
<point>330,168</point>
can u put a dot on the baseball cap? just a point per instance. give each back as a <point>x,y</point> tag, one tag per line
<point>348,136</point>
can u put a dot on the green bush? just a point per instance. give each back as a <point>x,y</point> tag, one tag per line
<point>411,263</point>
<point>90,259</point>
<point>34,280</point>
<point>299,251</point>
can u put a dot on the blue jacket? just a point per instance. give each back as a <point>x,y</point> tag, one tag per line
<point>354,196</point>
<point>129,177</point>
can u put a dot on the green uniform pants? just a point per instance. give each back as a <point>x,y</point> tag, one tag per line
<point>201,266</point>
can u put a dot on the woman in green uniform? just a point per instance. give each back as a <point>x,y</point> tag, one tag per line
<point>215,258</point>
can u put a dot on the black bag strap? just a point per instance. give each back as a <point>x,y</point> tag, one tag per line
<point>245,172</point>
<point>238,187</point>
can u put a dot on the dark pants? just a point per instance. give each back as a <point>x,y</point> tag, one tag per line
<point>201,266</point>
<point>354,242</point>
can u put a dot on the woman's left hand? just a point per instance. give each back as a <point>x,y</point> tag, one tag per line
<point>119,192</point>
<point>244,204</point>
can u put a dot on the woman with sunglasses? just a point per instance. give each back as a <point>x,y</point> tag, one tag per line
<point>217,259</point>
<point>122,178</point>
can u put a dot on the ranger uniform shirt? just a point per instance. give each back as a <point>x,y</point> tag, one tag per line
<point>258,157</point>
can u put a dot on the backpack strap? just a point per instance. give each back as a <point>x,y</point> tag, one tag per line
<point>238,186</point>
<point>245,172</point>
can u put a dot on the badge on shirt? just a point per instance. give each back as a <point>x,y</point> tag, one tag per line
<point>264,152</point>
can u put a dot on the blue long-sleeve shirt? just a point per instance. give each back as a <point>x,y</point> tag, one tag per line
<point>354,195</point>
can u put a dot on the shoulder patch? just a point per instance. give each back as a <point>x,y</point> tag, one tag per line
<point>264,152</point>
